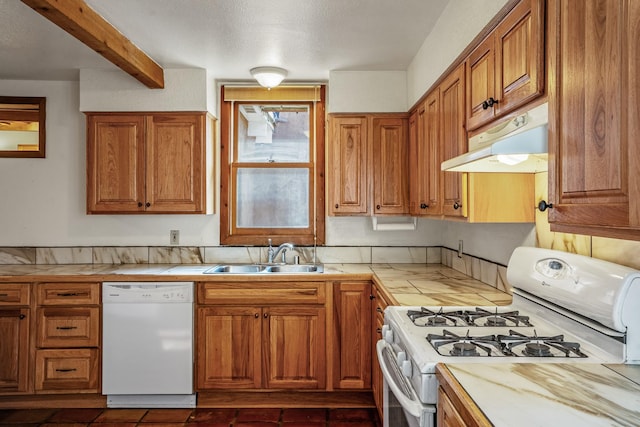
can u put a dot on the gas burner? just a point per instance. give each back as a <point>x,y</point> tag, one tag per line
<point>464,349</point>
<point>509,318</point>
<point>464,346</point>
<point>426,317</point>
<point>536,346</point>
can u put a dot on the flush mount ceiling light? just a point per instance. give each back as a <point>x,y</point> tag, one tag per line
<point>268,76</point>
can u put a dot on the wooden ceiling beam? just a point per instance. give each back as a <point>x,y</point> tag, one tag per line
<point>78,19</point>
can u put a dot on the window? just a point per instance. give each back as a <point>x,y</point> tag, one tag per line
<point>272,167</point>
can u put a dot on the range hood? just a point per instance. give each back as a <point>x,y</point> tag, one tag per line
<point>516,145</point>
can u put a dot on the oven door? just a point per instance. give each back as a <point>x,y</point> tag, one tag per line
<point>401,404</point>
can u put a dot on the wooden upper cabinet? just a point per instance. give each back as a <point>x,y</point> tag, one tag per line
<point>506,70</point>
<point>368,164</point>
<point>349,166</point>
<point>594,160</point>
<point>453,140</point>
<point>390,165</point>
<point>146,163</point>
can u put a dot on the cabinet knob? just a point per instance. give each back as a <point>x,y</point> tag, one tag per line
<point>265,315</point>
<point>456,205</point>
<point>139,204</point>
<point>378,309</point>
<point>337,206</point>
<point>147,204</point>
<point>423,206</point>
<point>378,207</point>
<point>543,206</point>
<point>256,315</point>
<point>372,297</point>
<point>22,316</point>
<point>489,103</point>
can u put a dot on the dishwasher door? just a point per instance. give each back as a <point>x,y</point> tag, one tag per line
<point>147,344</point>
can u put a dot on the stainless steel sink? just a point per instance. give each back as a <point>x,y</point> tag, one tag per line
<point>264,268</point>
<point>236,269</point>
<point>296,268</point>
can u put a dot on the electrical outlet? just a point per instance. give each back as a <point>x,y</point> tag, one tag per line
<point>174,237</point>
<point>459,248</point>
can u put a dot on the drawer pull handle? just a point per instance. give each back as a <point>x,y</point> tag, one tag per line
<point>66,370</point>
<point>69,294</point>
<point>66,328</point>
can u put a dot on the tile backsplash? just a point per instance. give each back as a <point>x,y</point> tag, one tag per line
<point>216,254</point>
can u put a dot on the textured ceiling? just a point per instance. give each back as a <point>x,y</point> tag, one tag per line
<point>228,37</point>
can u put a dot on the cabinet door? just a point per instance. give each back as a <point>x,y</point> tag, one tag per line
<point>349,166</point>
<point>480,69</point>
<point>390,165</point>
<point>352,335</point>
<point>294,352</point>
<point>228,343</point>
<point>447,414</point>
<point>417,167</point>
<point>115,163</point>
<point>453,137</point>
<point>377,318</point>
<point>14,350</point>
<point>434,153</point>
<point>506,70</point>
<point>175,153</point>
<point>519,56</point>
<point>594,159</point>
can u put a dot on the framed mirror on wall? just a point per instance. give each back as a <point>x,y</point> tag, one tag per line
<point>22,126</point>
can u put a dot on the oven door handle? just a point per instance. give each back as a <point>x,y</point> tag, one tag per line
<point>393,374</point>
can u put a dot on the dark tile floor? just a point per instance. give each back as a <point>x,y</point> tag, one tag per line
<point>247,417</point>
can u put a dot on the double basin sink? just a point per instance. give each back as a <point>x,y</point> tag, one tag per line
<point>264,268</point>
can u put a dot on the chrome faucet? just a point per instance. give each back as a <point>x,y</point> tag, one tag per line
<point>273,253</point>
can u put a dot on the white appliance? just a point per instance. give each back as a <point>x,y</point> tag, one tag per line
<point>147,344</point>
<point>566,308</point>
<point>518,144</point>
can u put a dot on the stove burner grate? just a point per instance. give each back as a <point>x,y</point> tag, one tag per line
<point>465,346</point>
<point>536,346</point>
<point>426,317</point>
<point>509,318</point>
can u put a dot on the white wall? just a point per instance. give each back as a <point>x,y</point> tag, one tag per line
<point>43,201</point>
<point>367,92</point>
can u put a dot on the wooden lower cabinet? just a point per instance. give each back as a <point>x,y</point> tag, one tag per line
<point>379,303</point>
<point>62,371</point>
<point>352,336</point>
<point>261,347</point>
<point>14,350</point>
<point>455,406</point>
<point>67,338</point>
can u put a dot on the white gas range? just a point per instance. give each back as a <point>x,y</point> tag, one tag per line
<point>566,308</point>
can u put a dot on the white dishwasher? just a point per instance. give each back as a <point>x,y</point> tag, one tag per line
<point>147,344</point>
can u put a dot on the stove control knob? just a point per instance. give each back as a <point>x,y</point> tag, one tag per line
<point>387,333</point>
<point>407,370</point>
<point>401,357</point>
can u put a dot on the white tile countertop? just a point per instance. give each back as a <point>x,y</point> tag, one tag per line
<point>550,394</point>
<point>407,284</point>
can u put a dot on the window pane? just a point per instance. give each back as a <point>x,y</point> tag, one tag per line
<point>273,133</point>
<point>272,198</point>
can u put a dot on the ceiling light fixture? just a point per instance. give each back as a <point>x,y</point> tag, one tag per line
<point>268,76</point>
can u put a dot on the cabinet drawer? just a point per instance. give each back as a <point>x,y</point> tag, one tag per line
<point>62,371</point>
<point>68,293</point>
<point>262,293</point>
<point>14,293</point>
<point>68,327</point>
